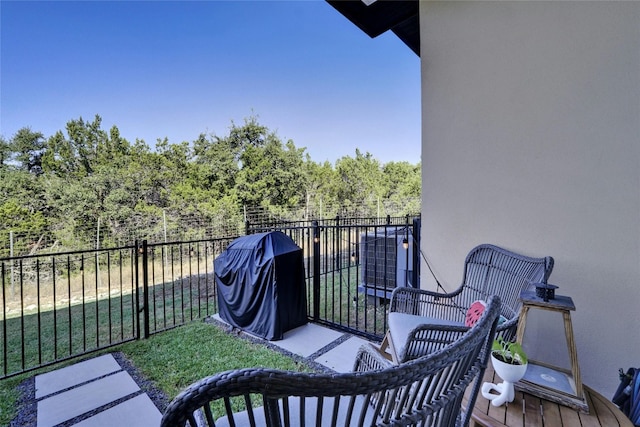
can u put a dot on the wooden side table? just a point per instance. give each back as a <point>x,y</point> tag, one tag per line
<point>545,380</point>
<point>528,410</point>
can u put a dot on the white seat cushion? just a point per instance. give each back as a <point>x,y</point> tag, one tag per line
<point>401,325</point>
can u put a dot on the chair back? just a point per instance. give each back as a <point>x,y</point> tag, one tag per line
<point>491,270</point>
<point>426,391</point>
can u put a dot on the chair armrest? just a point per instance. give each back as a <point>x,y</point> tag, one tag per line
<point>429,338</point>
<point>369,358</point>
<point>420,302</point>
<point>425,303</point>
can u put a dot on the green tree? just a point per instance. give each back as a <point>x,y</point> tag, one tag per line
<point>85,175</point>
<point>140,189</point>
<point>28,148</point>
<point>216,164</point>
<point>403,184</point>
<point>25,188</point>
<point>360,182</point>
<point>251,134</point>
<point>58,159</point>
<point>402,179</point>
<point>5,151</point>
<point>272,174</point>
<point>23,207</point>
<point>113,150</point>
<point>78,154</point>
<point>322,187</point>
<point>21,221</point>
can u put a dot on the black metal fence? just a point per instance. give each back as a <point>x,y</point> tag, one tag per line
<point>352,266</point>
<point>59,306</point>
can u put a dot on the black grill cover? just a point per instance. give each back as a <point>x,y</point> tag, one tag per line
<point>261,284</point>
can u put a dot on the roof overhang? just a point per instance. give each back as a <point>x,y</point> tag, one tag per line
<point>374,18</point>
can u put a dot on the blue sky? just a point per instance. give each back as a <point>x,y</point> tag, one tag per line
<point>160,69</point>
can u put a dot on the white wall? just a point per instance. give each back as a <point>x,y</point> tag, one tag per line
<point>531,141</point>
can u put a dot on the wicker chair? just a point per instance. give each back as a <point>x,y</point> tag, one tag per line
<point>427,391</point>
<point>489,270</point>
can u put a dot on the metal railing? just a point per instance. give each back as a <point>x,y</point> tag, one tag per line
<point>352,265</point>
<point>63,305</point>
<point>59,306</point>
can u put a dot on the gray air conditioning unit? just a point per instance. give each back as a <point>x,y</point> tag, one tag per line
<point>385,262</point>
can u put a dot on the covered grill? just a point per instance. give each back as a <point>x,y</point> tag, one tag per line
<point>261,284</point>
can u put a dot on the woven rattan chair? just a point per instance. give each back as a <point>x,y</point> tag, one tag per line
<point>427,391</point>
<point>488,270</point>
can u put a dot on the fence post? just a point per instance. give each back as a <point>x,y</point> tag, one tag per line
<point>316,270</point>
<point>145,288</point>
<point>337,250</point>
<point>416,252</point>
<point>406,244</point>
<point>136,263</point>
<point>12,264</point>
<point>247,228</point>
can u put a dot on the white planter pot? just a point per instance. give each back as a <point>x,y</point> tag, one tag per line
<point>508,372</point>
<point>509,375</point>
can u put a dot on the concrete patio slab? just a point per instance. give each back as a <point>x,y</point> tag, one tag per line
<point>137,412</point>
<point>79,400</point>
<point>342,357</point>
<point>307,339</point>
<point>79,373</point>
<point>303,340</point>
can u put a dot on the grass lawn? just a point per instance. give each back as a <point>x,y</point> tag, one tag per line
<point>8,398</point>
<point>174,359</point>
<point>40,336</point>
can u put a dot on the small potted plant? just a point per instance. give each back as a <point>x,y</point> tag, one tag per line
<point>508,352</point>
<point>510,363</point>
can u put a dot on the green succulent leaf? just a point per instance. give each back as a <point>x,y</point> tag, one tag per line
<point>509,352</point>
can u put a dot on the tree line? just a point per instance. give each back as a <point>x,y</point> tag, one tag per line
<point>63,188</point>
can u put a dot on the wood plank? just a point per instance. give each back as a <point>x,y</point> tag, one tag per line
<point>497,412</point>
<point>608,414</point>
<point>482,404</point>
<point>604,414</point>
<point>483,420</point>
<point>551,414</point>
<point>515,412</point>
<point>532,414</point>
<point>589,420</point>
<point>570,417</point>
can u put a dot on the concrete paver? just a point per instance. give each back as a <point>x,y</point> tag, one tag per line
<point>342,357</point>
<point>77,401</point>
<point>79,373</point>
<point>307,339</point>
<point>137,412</point>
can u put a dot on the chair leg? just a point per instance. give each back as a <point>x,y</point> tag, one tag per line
<point>387,350</point>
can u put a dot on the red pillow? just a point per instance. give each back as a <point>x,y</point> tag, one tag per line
<point>474,313</point>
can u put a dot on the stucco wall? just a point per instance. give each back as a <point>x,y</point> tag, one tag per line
<point>531,141</point>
